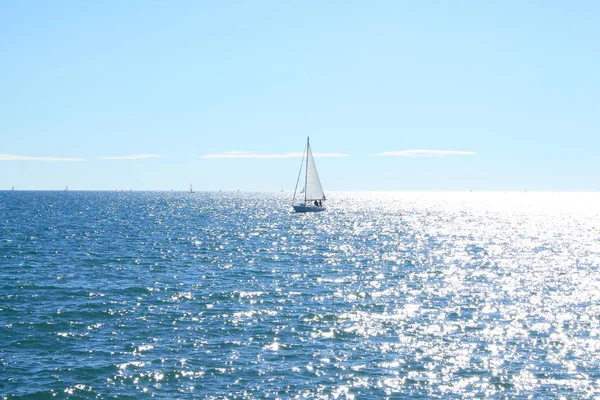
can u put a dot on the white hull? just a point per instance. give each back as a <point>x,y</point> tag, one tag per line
<point>308,208</point>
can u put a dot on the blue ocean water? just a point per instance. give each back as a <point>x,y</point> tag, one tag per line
<point>233,296</point>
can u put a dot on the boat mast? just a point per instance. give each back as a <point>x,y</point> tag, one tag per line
<point>298,179</point>
<point>306,170</point>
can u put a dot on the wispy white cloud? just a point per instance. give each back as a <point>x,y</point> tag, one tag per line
<point>132,157</point>
<point>248,154</point>
<point>426,153</point>
<point>13,157</point>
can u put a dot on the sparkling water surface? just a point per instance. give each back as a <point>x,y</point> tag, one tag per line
<point>233,296</point>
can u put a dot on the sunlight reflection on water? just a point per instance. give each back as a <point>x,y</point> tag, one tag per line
<point>219,294</point>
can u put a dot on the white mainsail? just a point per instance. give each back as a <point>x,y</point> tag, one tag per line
<point>312,186</point>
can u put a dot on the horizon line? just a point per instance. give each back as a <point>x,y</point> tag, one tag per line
<point>290,191</point>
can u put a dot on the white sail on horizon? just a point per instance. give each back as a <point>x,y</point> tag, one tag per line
<point>313,189</point>
<point>311,193</point>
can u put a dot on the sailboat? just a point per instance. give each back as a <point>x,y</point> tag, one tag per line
<point>311,197</point>
<point>191,189</point>
<point>13,188</point>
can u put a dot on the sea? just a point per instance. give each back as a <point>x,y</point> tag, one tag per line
<point>226,295</point>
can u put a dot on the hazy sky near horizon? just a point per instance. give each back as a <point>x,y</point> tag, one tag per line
<point>395,95</point>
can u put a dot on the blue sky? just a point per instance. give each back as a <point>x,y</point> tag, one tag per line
<point>512,86</point>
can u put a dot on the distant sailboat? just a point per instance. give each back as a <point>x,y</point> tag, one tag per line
<point>191,189</point>
<point>13,188</point>
<point>314,196</point>
<point>66,188</point>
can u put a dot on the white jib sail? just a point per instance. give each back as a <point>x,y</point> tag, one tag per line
<point>313,189</point>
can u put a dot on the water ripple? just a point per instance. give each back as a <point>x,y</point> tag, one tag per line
<point>227,295</point>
